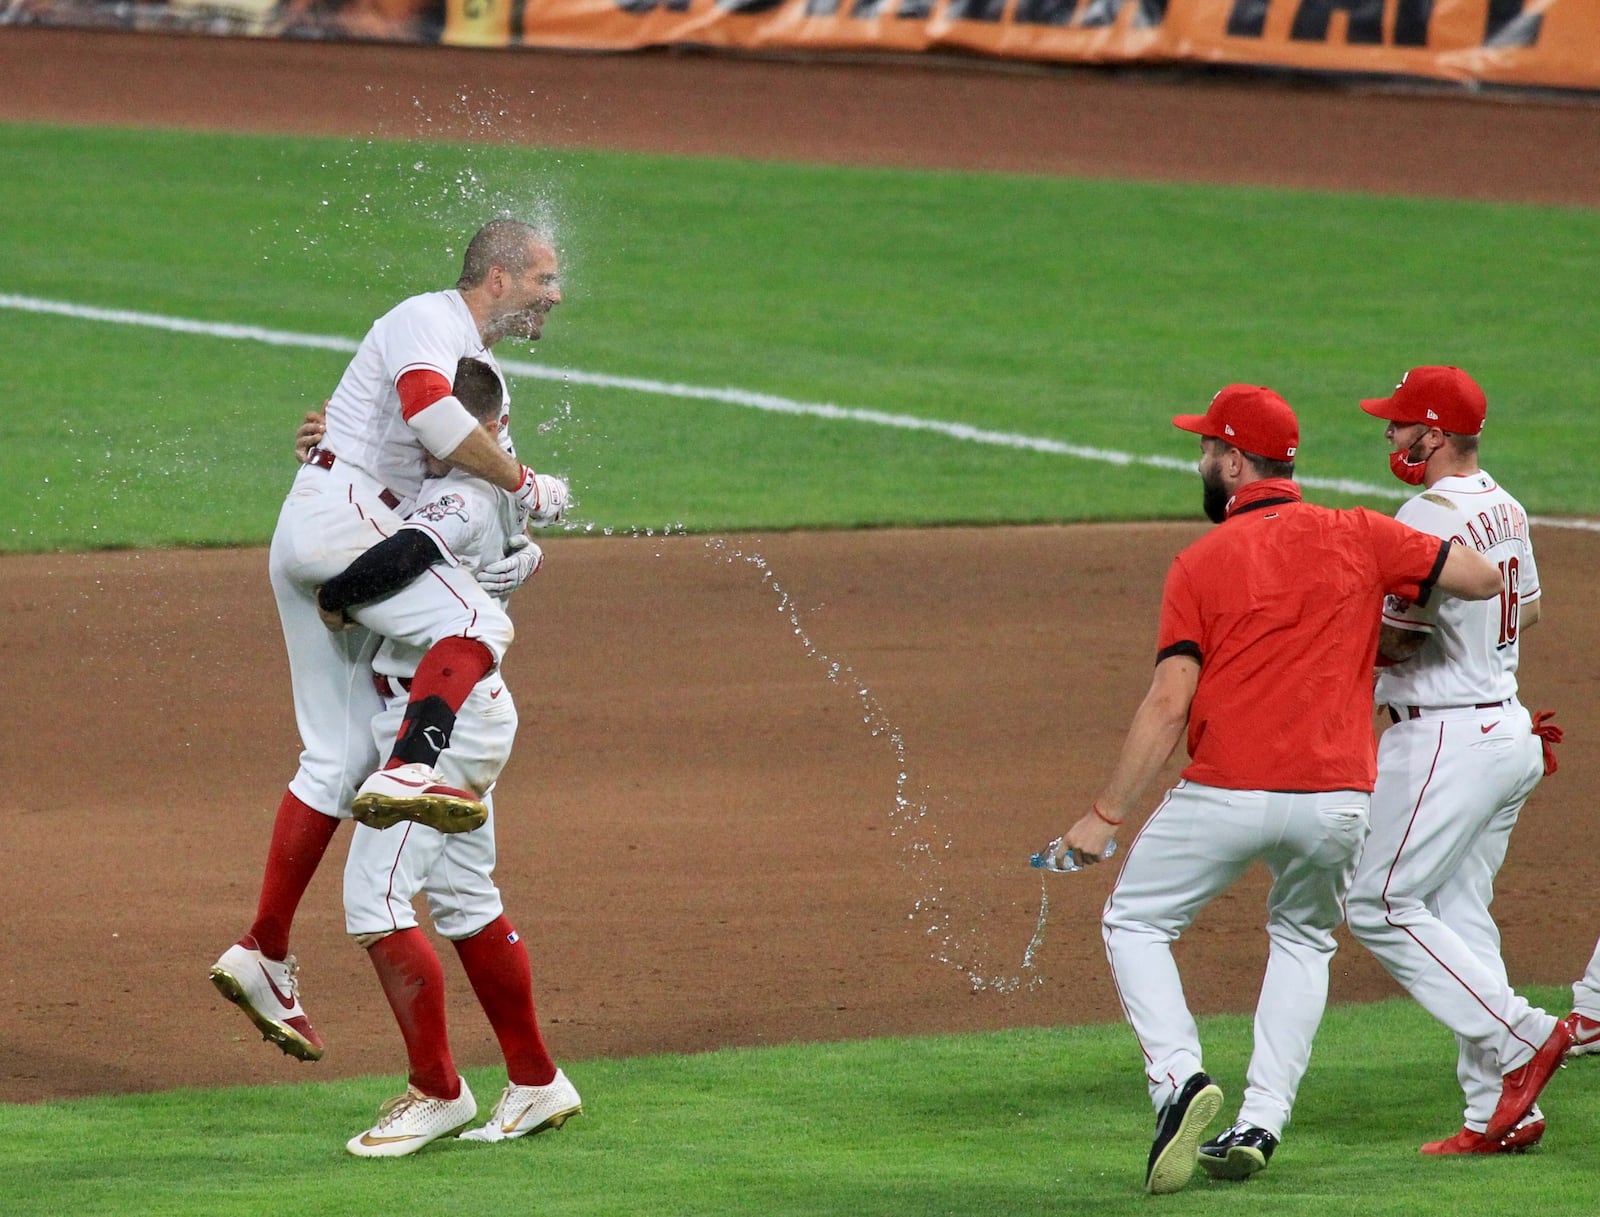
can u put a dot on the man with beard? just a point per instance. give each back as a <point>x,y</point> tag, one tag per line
<point>1269,628</point>
<point>1455,769</point>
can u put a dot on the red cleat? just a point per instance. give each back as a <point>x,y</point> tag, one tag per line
<point>1520,1089</point>
<point>1524,1136</point>
<point>1585,1034</point>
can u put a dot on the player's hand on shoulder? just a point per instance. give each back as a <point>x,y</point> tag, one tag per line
<point>522,561</point>
<point>312,429</point>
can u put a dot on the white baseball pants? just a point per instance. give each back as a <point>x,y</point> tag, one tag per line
<point>386,869</point>
<point>1586,992</point>
<point>1195,845</point>
<point>1450,787</point>
<point>330,518</point>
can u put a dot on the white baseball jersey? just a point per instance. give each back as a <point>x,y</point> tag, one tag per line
<point>1453,774</point>
<point>470,521</point>
<point>333,515</point>
<point>1471,652</point>
<point>366,427</point>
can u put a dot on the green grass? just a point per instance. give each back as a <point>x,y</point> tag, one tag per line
<point>1021,1122</point>
<point>1085,312</point>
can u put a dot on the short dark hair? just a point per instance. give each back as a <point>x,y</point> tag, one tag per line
<point>1266,467</point>
<point>502,242</point>
<point>477,387</point>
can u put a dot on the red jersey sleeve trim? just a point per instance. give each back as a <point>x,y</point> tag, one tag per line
<point>419,389</point>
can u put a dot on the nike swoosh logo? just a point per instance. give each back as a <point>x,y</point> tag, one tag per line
<point>1490,727</point>
<point>408,782</point>
<point>286,1002</point>
<point>368,1139</point>
<point>497,692</point>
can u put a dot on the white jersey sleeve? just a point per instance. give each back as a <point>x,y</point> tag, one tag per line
<point>461,514</point>
<point>366,427</point>
<point>1471,654</point>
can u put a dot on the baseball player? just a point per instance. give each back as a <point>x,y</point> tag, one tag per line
<point>1454,770</point>
<point>392,407</point>
<point>459,521</point>
<point>1268,628</point>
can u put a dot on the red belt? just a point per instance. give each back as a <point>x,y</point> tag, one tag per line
<point>1417,711</point>
<point>323,459</point>
<point>385,684</point>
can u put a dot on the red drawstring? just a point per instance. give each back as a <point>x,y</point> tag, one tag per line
<point>1549,735</point>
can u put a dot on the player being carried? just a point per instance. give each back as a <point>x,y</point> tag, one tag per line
<point>460,521</point>
<point>392,408</point>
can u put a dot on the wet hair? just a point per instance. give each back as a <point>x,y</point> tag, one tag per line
<point>503,242</point>
<point>477,387</point>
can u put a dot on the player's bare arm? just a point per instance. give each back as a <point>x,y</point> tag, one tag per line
<point>1469,575</point>
<point>433,412</point>
<point>1157,729</point>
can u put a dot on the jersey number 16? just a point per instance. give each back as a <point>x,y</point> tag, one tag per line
<point>1508,603</point>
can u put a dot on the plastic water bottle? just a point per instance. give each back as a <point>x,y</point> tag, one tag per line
<point>1053,858</point>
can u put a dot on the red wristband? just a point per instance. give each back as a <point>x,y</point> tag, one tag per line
<point>1100,815</point>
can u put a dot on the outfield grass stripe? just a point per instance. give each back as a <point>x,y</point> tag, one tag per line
<point>743,398</point>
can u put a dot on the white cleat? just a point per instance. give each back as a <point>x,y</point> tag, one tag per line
<point>417,792</point>
<point>268,991</point>
<point>411,1120</point>
<point>525,1110</point>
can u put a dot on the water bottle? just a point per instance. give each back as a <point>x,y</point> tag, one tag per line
<point>1053,858</point>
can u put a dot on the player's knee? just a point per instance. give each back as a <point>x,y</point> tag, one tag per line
<point>1365,914</point>
<point>367,941</point>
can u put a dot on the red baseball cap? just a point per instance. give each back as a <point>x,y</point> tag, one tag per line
<point>1252,418</point>
<point>1446,398</point>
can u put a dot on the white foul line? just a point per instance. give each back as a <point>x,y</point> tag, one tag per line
<point>733,397</point>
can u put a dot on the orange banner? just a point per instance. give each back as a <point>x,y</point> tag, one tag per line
<point>1551,44</point>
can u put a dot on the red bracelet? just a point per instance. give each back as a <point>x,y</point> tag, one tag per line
<point>1100,815</point>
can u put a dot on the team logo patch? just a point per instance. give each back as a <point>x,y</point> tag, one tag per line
<point>445,505</point>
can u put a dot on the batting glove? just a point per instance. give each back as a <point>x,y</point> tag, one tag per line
<point>512,571</point>
<point>542,496</point>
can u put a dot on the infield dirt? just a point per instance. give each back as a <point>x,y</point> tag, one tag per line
<point>703,839</point>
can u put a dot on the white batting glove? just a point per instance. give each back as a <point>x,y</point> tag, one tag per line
<point>512,571</point>
<point>543,497</point>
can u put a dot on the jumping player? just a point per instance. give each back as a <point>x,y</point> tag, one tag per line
<point>459,521</point>
<point>1268,628</point>
<point>1455,769</point>
<point>392,407</point>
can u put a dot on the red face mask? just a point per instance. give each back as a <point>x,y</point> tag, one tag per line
<point>1412,473</point>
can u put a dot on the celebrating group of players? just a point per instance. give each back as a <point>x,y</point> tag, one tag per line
<point>406,529</point>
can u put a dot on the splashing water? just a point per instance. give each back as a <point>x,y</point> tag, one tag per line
<point>924,845</point>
